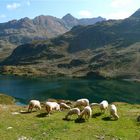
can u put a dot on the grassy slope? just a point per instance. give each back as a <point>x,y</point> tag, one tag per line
<point>39,127</point>
<point>5,99</point>
<point>109,62</point>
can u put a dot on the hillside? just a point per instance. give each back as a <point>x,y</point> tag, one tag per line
<point>17,32</point>
<point>108,48</point>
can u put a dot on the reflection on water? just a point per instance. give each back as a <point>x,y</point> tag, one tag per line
<point>25,89</point>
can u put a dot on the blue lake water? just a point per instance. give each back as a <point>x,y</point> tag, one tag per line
<point>25,89</point>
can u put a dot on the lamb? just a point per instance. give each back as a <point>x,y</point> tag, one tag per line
<point>82,102</point>
<point>52,106</point>
<point>103,105</point>
<point>34,104</point>
<point>64,106</point>
<point>87,112</point>
<point>113,112</point>
<point>73,111</point>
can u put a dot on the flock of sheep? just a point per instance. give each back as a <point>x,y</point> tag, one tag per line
<point>82,108</point>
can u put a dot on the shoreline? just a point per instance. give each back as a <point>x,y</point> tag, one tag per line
<point>74,77</point>
<point>16,102</point>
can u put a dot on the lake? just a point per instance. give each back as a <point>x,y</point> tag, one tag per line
<point>24,89</point>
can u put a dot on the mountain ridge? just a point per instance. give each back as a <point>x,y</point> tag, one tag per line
<point>107,48</point>
<point>25,30</point>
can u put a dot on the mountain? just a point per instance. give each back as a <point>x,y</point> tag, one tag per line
<point>25,30</point>
<point>90,21</point>
<point>136,14</point>
<point>109,48</point>
<point>72,21</point>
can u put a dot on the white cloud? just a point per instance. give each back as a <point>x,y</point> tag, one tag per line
<point>118,15</point>
<point>121,3</point>
<point>13,6</point>
<point>85,14</point>
<point>2,16</point>
<point>28,3</point>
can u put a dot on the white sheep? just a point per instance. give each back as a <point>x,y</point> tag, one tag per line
<point>94,104</point>
<point>34,104</point>
<point>113,112</point>
<point>82,102</point>
<point>103,105</point>
<point>73,111</point>
<point>87,112</point>
<point>64,106</point>
<point>52,106</point>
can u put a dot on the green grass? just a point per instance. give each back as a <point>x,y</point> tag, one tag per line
<point>5,99</point>
<point>38,126</point>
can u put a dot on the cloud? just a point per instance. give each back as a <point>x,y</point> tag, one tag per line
<point>13,6</point>
<point>118,15</point>
<point>28,3</point>
<point>85,14</point>
<point>121,3</point>
<point>2,16</point>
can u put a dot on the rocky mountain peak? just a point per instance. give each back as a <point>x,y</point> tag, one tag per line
<point>136,14</point>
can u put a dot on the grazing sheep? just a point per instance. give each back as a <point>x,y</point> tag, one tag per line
<point>34,104</point>
<point>52,106</point>
<point>73,111</point>
<point>64,106</point>
<point>113,112</point>
<point>103,105</point>
<point>94,104</point>
<point>87,112</point>
<point>82,102</point>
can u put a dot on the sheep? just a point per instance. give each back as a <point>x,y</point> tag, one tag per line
<point>113,112</point>
<point>82,102</point>
<point>94,104</point>
<point>73,111</point>
<point>52,106</point>
<point>64,106</point>
<point>34,104</point>
<point>87,112</point>
<point>103,105</point>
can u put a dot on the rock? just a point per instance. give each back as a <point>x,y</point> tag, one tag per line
<point>24,138</point>
<point>15,113</point>
<point>9,127</point>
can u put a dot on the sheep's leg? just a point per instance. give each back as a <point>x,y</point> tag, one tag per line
<point>66,117</point>
<point>30,109</point>
<point>36,108</point>
<point>111,115</point>
<point>87,116</point>
<point>101,111</point>
<point>116,116</point>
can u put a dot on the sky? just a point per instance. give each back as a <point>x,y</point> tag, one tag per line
<point>109,9</point>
